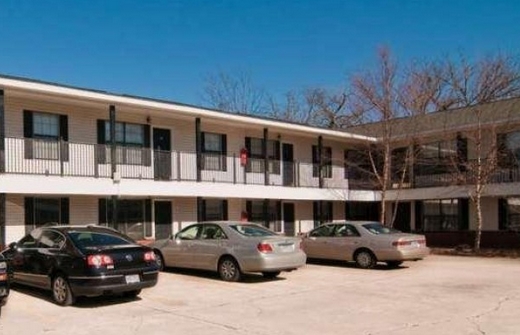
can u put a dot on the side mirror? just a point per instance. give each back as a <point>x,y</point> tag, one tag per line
<point>12,245</point>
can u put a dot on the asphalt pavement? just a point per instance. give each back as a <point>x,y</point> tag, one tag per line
<point>439,295</point>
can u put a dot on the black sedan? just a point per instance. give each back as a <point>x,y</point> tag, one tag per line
<point>74,261</point>
<point>4,282</point>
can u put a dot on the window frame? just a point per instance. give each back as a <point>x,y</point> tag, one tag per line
<point>255,162</point>
<point>214,159</point>
<point>42,146</point>
<point>34,205</point>
<point>127,151</point>
<point>326,162</point>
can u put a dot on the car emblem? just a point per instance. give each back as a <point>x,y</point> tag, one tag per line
<point>129,258</point>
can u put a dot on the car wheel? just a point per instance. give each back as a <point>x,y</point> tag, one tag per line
<point>132,294</point>
<point>229,270</point>
<point>159,259</point>
<point>61,292</point>
<point>393,264</point>
<point>365,259</point>
<point>271,274</point>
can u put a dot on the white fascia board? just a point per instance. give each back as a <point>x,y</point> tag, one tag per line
<point>84,186</point>
<point>188,110</point>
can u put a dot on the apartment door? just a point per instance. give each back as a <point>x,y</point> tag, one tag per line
<point>163,219</point>
<point>288,219</point>
<point>162,154</point>
<point>288,164</point>
<point>403,216</point>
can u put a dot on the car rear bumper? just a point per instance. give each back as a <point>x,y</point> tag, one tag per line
<point>403,254</point>
<point>274,262</point>
<point>4,293</point>
<point>94,286</point>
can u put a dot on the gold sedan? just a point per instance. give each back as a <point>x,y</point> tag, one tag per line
<point>364,242</point>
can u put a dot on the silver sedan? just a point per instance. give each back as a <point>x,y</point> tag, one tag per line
<point>230,248</point>
<point>366,243</point>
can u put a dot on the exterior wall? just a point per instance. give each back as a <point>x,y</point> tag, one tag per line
<point>184,213</point>
<point>304,217</point>
<point>338,211</point>
<point>15,218</point>
<point>83,210</point>
<point>489,214</point>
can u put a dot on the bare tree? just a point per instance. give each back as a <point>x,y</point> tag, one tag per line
<point>476,86</point>
<point>235,94</point>
<point>316,107</point>
<point>376,97</point>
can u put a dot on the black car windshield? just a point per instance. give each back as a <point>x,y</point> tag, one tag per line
<point>252,230</point>
<point>85,240</point>
<point>377,229</point>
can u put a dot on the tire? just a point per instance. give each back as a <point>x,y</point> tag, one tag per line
<point>132,294</point>
<point>271,275</point>
<point>159,260</point>
<point>365,259</point>
<point>61,292</point>
<point>229,270</point>
<point>393,264</point>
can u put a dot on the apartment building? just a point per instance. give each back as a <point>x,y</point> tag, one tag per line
<point>150,167</point>
<point>449,154</point>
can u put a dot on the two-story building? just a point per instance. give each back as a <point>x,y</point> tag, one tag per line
<point>149,167</point>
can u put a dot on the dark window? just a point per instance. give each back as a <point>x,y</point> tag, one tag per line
<point>326,162</point>
<point>255,210</point>
<point>359,169</point>
<point>43,132</point>
<point>39,211</point>
<point>509,214</point>
<point>322,212</point>
<point>132,143</point>
<point>255,162</point>
<point>440,215</point>
<point>508,149</point>
<point>214,210</point>
<point>133,217</point>
<point>437,157</point>
<point>214,152</point>
<point>362,210</point>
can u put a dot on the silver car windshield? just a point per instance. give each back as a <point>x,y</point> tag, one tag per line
<point>377,229</point>
<point>252,230</point>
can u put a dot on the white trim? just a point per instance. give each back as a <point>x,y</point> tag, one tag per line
<point>187,110</point>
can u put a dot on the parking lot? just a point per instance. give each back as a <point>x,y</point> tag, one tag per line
<point>439,295</point>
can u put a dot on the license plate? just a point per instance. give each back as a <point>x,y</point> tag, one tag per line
<point>415,244</point>
<point>131,279</point>
<point>286,247</point>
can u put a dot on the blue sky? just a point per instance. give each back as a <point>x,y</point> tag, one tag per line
<point>166,48</point>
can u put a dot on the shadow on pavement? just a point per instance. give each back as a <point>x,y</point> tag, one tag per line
<point>81,302</point>
<point>248,278</point>
<point>352,265</point>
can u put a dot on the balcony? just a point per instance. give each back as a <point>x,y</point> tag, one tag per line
<point>67,159</point>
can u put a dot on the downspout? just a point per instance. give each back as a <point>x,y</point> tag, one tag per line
<point>198,148</point>
<point>113,163</point>
<point>320,163</point>
<point>266,158</point>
